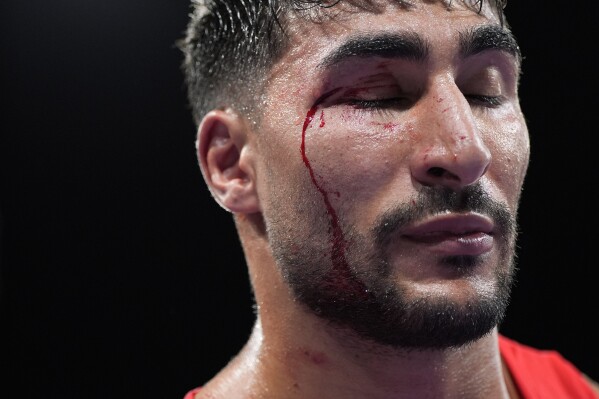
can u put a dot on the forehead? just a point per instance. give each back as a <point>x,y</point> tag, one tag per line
<point>316,36</point>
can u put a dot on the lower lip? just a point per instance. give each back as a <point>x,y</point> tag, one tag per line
<point>455,244</point>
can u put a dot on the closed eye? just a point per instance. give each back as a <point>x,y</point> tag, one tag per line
<point>380,104</point>
<point>485,101</point>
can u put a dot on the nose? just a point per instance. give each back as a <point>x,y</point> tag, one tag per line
<point>450,151</point>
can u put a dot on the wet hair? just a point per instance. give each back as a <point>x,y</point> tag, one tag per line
<point>230,45</point>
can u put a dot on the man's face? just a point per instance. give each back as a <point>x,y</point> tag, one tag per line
<point>392,151</point>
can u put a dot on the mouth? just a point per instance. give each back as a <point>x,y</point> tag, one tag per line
<point>453,234</point>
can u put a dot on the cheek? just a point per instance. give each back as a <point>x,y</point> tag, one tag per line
<point>509,143</point>
<point>354,155</point>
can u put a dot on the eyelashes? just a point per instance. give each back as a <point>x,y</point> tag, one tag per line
<point>381,103</point>
<point>379,106</point>
<point>389,104</point>
<point>488,101</point>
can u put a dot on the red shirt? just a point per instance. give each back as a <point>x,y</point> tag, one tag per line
<point>543,374</point>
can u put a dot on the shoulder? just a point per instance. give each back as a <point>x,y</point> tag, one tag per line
<point>539,371</point>
<point>594,384</point>
<point>514,351</point>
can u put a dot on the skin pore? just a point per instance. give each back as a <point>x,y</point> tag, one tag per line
<point>376,202</point>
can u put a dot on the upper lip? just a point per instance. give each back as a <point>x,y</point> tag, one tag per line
<point>451,223</point>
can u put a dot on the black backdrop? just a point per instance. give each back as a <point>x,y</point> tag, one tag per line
<point>121,278</point>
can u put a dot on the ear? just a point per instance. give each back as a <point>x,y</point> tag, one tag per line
<point>226,160</point>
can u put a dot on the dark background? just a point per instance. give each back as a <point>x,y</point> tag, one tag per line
<point>121,278</point>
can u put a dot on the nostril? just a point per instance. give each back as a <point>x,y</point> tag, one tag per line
<point>436,171</point>
<point>444,174</point>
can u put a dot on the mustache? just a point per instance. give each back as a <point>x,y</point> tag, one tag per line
<point>434,200</point>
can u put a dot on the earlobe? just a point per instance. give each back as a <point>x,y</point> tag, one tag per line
<point>226,161</point>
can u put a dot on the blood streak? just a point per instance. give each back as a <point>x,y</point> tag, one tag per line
<point>389,126</point>
<point>340,276</point>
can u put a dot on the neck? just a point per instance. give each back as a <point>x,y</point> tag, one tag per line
<point>314,362</point>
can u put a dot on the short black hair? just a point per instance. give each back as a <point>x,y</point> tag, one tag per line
<point>230,45</point>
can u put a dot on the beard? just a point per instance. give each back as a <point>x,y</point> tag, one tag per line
<point>345,277</point>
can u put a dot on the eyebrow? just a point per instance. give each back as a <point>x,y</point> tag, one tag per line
<point>488,37</point>
<point>411,46</point>
<point>406,45</point>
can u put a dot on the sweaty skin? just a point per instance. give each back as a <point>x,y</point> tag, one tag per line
<point>345,142</point>
<point>446,137</point>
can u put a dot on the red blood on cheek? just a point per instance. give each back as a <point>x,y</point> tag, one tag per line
<point>340,276</point>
